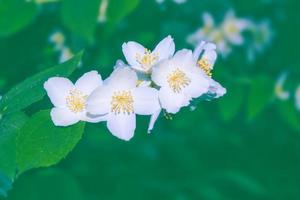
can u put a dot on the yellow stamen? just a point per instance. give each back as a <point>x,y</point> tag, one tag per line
<point>147,60</point>
<point>205,66</point>
<point>178,80</point>
<point>76,101</point>
<point>122,102</point>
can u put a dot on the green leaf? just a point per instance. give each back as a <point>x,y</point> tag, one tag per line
<point>15,15</point>
<point>31,90</point>
<point>231,103</point>
<point>9,127</point>
<point>80,17</point>
<point>41,144</point>
<point>48,184</point>
<point>118,9</point>
<point>261,92</point>
<point>289,114</point>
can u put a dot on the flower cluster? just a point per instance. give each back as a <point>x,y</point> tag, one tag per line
<point>152,81</point>
<point>230,31</point>
<point>58,40</point>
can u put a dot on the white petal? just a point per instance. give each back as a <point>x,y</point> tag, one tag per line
<point>160,72</point>
<point>122,125</point>
<point>183,58</point>
<point>171,101</point>
<point>210,46</point>
<point>130,51</point>
<point>58,89</point>
<point>165,49</point>
<point>210,55</point>
<point>120,63</point>
<point>243,24</point>
<point>98,102</point>
<point>199,49</point>
<point>63,117</point>
<point>87,117</point>
<point>208,20</point>
<point>145,100</point>
<point>153,119</point>
<point>236,39</point>
<point>216,89</point>
<point>89,82</point>
<point>199,83</point>
<point>122,78</point>
<point>230,15</point>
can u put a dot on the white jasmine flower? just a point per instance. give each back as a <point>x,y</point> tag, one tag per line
<point>279,90</point>
<point>180,80</point>
<point>120,100</point>
<point>205,55</point>
<point>69,99</point>
<point>142,59</point>
<point>233,28</point>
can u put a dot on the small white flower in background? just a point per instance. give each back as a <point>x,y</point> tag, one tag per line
<point>225,35</point>
<point>143,59</point>
<point>58,39</point>
<point>180,81</point>
<point>120,100</point>
<point>70,99</point>
<point>206,31</point>
<point>297,98</point>
<point>262,37</point>
<point>210,32</point>
<point>205,55</point>
<point>279,89</point>
<point>65,54</point>
<point>233,28</point>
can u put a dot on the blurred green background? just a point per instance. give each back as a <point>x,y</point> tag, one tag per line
<point>245,145</point>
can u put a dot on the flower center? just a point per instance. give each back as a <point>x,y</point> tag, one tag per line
<point>147,59</point>
<point>178,80</point>
<point>205,66</point>
<point>76,101</point>
<point>232,28</point>
<point>122,102</point>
